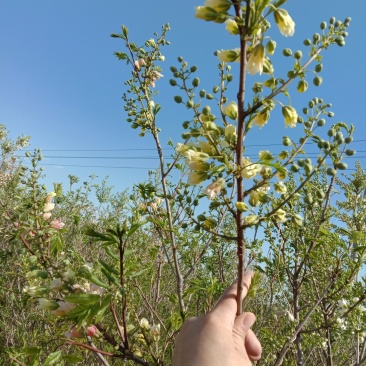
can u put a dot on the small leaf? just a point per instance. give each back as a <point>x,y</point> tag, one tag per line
<point>82,299</point>
<point>53,359</point>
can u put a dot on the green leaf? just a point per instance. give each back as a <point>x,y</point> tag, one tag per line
<point>125,31</point>
<point>73,359</point>
<point>133,228</point>
<point>139,273</point>
<point>82,299</point>
<point>54,358</point>
<point>108,267</point>
<point>110,277</point>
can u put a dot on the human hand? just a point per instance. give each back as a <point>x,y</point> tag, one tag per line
<point>219,338</point>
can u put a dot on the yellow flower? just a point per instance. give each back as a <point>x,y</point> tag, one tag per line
<point>280,187</point>
<point>290,115</point>
<point>229,55</point>
<point>231,110</point>
<point>279,215</point>
<point>230,134</point>
<point>241,206</point>
<point>155,331</point>
<point>261,118</point>
<point>196,177</point>
<point>285,23</point>
<point>256,60</point>
<point>249,170</point>
<point>251,220</point>
<point>214,188</point>
<point>232,26</point>
<point>195,156</point>
<point>144,324</point>
<point>48,207</point>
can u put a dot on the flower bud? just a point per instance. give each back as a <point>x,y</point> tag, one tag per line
<point>271,47</point>
<point>196,82</point>
<point>350,152</point>
<point>229,55</point>
<point>307,42</point>
<point>287,52</point>
<point>340,41</point>
<point>318,67</point>
<point>302,86</point>
<point>190,104</point>
<point>286,141</point>
<point>342,166</point>
<point>172,82</point>
<point>331,172</point>
<point>193,68</point>
<point>298,55</point>
<point>317,81</point>
<point>232,26</point>
<point>205,13</point>
<point>316,38</point>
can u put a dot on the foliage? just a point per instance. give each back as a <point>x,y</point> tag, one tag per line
<point>111,282</point>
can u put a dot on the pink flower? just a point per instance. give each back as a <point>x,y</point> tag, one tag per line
<point>57,224</point>
<point>79,333</point>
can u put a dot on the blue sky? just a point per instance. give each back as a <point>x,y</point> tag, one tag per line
<point>61,84</point>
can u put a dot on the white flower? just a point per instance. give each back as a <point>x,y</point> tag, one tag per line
<point>214,188</point>
<point>231,110</point>
<point>280,187</point>
<point>290,115</point>
<point>249,170</point>
<point>47,215</point>
<point>285,23</point>
<point>48,207</point>
<point>144,324</point>
<point>261,118</point>
<point>256,60</point>
<point>155,331</point>
<point>250,220</point>
<point>196,177</point>
<point>279,215</point>
<point>195,156</point>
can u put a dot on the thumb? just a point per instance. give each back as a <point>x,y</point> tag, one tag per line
<point>243,322</point>
<point>242,326</point>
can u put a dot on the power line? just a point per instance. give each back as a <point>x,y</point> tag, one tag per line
<point>152,149</point>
